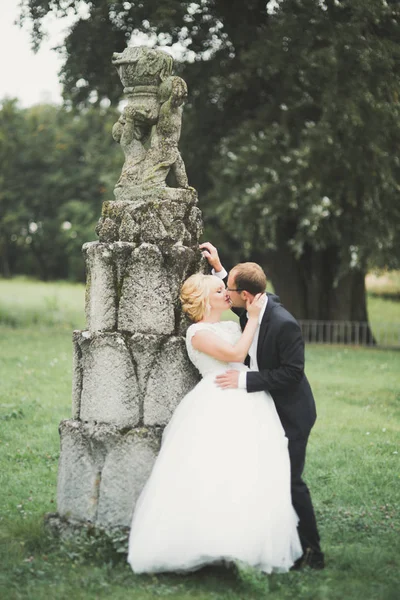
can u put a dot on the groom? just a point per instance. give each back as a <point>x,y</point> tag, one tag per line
<point>276,361</point>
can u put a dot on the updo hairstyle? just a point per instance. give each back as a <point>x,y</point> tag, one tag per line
<point>194,295</point>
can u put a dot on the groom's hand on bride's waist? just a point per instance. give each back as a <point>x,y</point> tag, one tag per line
<point>228,380</point>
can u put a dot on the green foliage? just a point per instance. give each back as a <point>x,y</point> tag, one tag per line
<point>90,543</point>
<point>14,414</point>
<point>315,158</point>
<point>290,131</point>
<point>56,169</point>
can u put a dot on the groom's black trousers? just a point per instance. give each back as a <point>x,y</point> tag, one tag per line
<point>301,499</point>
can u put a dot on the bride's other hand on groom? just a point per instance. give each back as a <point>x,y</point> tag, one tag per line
<point>211,254</point>
<point>254,305</point>
<point>230,379</point>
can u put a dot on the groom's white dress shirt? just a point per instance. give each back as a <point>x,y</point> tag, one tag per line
<point>242,383</point>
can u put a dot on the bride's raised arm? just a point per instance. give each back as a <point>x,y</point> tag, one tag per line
<point>209,343</point>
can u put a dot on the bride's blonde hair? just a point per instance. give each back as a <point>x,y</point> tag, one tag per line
<point>194,295</point>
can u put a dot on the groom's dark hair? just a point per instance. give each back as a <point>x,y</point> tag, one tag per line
<point>250,277</point>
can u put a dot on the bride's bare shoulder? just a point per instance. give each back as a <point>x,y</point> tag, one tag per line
<point>194,327</point>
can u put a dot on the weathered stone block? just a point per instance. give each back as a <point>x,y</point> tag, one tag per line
<point>180,262</point>
<point>163,217</point>
<point>125,472</point>
<point>144,349</point>
<point>171,377</point>
<point>102,471</point>
<point>101,287</point>
<point>146,304</point>
<point>122,252</point>
<point>110,393</point>
<point>196,222</point>
<point>129,230</point>
<point>183,323</point>
<point>83,450</point>
<point>138,194</point>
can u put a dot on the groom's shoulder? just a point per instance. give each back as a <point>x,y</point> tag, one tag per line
<point>274,303</point>
<point>278,311</point>
<point>273,298</point>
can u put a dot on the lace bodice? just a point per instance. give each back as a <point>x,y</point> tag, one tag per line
<point>226,330</point>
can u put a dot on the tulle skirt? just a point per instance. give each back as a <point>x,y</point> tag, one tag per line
<point>219,489</point>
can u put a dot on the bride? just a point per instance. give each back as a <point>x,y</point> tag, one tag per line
<point>220,487</point>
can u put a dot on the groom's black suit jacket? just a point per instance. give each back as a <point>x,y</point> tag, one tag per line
<point>280,357</point>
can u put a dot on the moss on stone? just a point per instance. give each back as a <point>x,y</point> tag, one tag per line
<point>110,210</point>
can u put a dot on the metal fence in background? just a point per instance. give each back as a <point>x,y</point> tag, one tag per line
<point>384,335</point>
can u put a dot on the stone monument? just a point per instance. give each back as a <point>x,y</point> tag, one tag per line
<point>130,364</point>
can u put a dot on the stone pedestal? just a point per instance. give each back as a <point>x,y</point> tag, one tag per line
<point>130,365</point>
<point>102,471</point>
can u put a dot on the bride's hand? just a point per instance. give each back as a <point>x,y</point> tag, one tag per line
<point>254,307</point>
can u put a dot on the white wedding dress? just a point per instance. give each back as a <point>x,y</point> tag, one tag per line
<point>220,487</point>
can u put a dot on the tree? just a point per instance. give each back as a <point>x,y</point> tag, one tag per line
<point>291,132</point>
<point>323,177</point>
<point>12,209</point>
<point>57,167</point>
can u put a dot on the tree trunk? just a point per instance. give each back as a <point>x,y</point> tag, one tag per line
<point>5,263</point>
<point>41,262</point>
<point>312,289</point>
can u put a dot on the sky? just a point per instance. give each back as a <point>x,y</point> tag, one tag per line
<point>30,77</point>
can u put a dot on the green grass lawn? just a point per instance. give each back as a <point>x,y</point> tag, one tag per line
<point>26,302</point>
<point>353,471</point>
